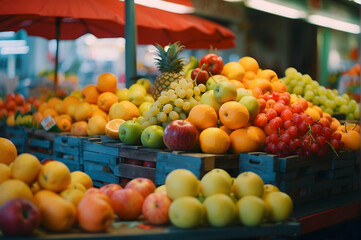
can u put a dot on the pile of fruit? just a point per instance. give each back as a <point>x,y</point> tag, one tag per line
<point>45,193</point>
<point>209,106</point>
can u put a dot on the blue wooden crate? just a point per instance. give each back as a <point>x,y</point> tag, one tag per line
<point>198,163</point>
<point>40,144</point>
<point>18,135</point>
<point>304,179</point>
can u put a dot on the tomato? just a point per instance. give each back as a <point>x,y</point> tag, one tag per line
<point>212,63</point>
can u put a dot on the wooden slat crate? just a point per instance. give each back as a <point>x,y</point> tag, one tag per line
<point>18,135</point>
<point>40,144</point>
<point>305,179</point>
<point>198,163</point>
<point>69,150</point>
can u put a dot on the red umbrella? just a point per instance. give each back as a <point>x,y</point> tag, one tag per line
<point>70,19</point>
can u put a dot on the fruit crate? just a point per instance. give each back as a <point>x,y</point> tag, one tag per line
<point>198,163</point>
<point>40,143</point>
<point>306,179</point>
<point>69,150</point>
<point>18,135</point>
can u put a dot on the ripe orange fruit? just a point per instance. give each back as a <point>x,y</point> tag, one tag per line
<point>50,111</point>
<point>83,111</point>
<point>5,172</point>
<point>99,112</point>
<point>8,151</point>
<point>351,138</point>
<point>237,83</point>
<point>244,140</point>
<point>261,83</point>
<point>79,128</point>
<point>54,176</point>
<point>91,93</point>
<point>26,168</point>
<point>73,195</point>
<point>125,110</point>
<point>233,115</point>
<point>42,107</point>
<point>107,82</point>
<point>203,116</point>
<point>261,135</point>
<point>227,130</point>
<point>95,213</point>
<point>68,101</point>
<point>64,124</point>
<point>249,64</point>
<point>268,74</point>
<point>81,177</point>
<point>57,214</point>
<point>313,113</point>
<point>106,100</point>
<point>214,140</point>
<point>278,86</point>
<point>233,70</point>
<point>14,188</point>
<point>335,124</point>
<point>112,128</point>
<point>53,101</point>
<point>96,126</point>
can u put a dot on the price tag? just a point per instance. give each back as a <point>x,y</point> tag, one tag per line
<point>48,122</point>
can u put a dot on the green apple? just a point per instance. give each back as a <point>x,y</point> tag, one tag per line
<point>241,92</point>
<point>209,99</point>
<point>130,132</point>
<point>152,137</point>
<point>225,91</point>
<point>220,209</point>
<point>251,210</point>
<point>252,105</point>
<point>213,80</point>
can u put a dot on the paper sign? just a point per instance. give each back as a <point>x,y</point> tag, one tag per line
<point>48,122</point>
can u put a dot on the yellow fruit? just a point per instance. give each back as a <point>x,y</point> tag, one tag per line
<point>145,83</point>
<point>8,151</point>
<point>215,182</point>
<point>54,176</point>
<point>83,111</point>
<point>144,107</point>
<point>73,195</point>
<point>123,110</point>
<point>186,212</point>
<point>5,172</point>
<point>14,188</point>
<point>81,177</point>
<point>313,113</point>
<point>122,94</point>
<point>279,206</point>
<point>220,210</point>
<point>268,188</point>
<point>160,188</point>
<point>136,97</point>
<point>112,128</point>
<point>26,168</point>
<point>181,182</point>
<point>138,87</point>
<point>248,183</point>
<point>233,70</point>
<point>96,126</point>
<point>251,210</point>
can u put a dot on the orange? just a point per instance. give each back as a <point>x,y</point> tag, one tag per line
<point>49,111</point>
<point>244,140</point>
<point>26,168</point>
<point>66,116</point>
<point>268,188</point>
<point>318,109</point>
<point>57,214</point>
<point>327,116</point>
<point>14,188</point>
<point>203,116</point>
<point>261,135</point>
<point>268,74</point>
<point>107,82</point>
<point>53,101</point>
<point>54,176</point>
<point>95,213</point>
<point>79,128</point>
<point>349,126</point>
<point>99,112</point>
<point>233,115</point>
<point>313,113</point>
<point>112,128</point>
<point>233,70</point>
<point>123,110</point>
<point>249,64</point>
<point>261,83</point>
<point>278,86</point>
<point>64,124</point>
<point>8,151</point>
<point>335,124</point>
<point>214,140</point>
<point>106,100</point>
<point>351,138</point>
<point>68,101</point>
<point>81,177</point>
<point>5,172</point>
<point>91,93</point>
<point>59,107</point>
<point>237,83</point>
<point>96,126</point>
<point>227,130</point>
<point>83,111</point>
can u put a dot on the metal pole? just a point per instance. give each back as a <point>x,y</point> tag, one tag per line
<point>130,43</point>
<point>57,37</point>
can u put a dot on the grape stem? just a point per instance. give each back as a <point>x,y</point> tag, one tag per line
<point>312,138</point>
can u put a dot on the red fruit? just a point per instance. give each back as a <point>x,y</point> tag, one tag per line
<point>212,63</point>
<point>260,120</point>
<point>19,99</point>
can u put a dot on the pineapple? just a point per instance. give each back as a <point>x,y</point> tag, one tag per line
<point>170,66</point>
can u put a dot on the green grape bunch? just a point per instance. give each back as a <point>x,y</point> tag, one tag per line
<point>329,100</point>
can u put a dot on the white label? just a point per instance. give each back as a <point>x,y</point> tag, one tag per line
<point>47,123</point>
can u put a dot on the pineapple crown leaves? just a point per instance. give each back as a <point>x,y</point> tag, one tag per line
<point>168,60</point>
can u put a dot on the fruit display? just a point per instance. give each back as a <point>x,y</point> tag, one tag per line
<point>329,100</point>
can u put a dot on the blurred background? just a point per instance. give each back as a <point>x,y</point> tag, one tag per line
<point>317,37</point>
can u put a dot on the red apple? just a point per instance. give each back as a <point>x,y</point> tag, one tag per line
<point>124,180</point>
<point>133,161</point>
<point>109,189</point>
<point>212,63</point>
<point>149,164</point>
<point>143,185</point>
<point>46,160</point>
<point>155,208</point>
<point>202,75</point>
<point>127,203</point>
<point>18,217</point>
<point>180,135</point>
